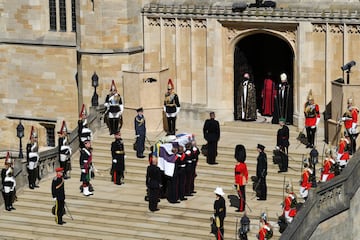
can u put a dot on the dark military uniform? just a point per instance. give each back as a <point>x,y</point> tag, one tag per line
<point>153,180</point>
<point>140,132</point>
<point>118,165</point>
<point>58,192</point>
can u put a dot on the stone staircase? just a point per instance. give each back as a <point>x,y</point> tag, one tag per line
<point>120,212</point>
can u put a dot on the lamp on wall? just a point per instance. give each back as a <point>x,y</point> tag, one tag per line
<point>95,84</point>
<point>20,135</point>
<point>347,67</point>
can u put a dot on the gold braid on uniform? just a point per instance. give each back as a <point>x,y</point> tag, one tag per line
<point>140,122</point>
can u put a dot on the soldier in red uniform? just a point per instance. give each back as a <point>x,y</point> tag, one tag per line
<point>312,119</point>
<point>290,203</point>
<point>343,155</point>
<point>306,182</point>
<point>350,119</point>
<point>265,231</point>
<point>328,172</point>
<point>241,175</point>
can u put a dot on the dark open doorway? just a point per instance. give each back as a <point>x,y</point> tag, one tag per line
<point>259,54</point>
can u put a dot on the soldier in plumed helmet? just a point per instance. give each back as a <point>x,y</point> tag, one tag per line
<point>32,154</point>
<point>64,150</point>
<point>84,132</point>
<point>171,108</point>
<point>350,119</point>
<point>114,109</point>
<point>312,119</point>
<point>8,183</point>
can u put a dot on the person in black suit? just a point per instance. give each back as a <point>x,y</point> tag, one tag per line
<point>211,132</point>
<point>153,180</point>
<point>261,171</point>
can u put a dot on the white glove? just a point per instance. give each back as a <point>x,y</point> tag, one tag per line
<point>317,121</point>
<point>164,109</point>
<point>83,170</point>
<point>54,198</point>
<point>343,118</point>
<point>177,110</point>
<point>114,161</point>
<point>125,156</point>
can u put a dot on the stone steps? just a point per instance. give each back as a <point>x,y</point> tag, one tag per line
<point>115,211</point>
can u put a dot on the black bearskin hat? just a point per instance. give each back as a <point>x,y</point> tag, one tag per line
<point>240,153</point>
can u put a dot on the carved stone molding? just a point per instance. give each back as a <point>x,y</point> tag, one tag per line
<point>290,35</point>
<point>169,22</point>
<point>154,22</point>
<point>199,23</point>
<point>336,28</point>
<point>330,197</point>
<point>184,23</point>
<point>319,28</point>
<point>353,29</point>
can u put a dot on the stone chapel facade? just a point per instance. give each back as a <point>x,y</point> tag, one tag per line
<point>50,50</point>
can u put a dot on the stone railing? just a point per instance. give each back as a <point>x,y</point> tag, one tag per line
<point>49,158</point>
<point>326,201</point>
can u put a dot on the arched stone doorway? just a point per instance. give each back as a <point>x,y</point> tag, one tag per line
<point>258,54</point>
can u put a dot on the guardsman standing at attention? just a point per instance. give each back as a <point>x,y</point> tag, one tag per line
<point>171,107</point>
<point>64,150</point>
<point>350,119</point>
<point>140,132</point>
<point>86,166</point>
<point>241,175</point>
<point>114,109</point>
<point>32,153</point>
<point>312,119</point>
<point>58,194</point>
<point>343,150</point>
<point>306,183</point>
<point>118,156</point>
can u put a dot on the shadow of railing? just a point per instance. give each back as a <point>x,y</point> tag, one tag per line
<point>49,158</point>
<point>326,201</point>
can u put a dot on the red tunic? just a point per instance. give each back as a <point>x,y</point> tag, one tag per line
<point>287,205</point>
<point>312,113</point>
<point>305,179</point>
<point>241,174</point>
<point>351,117</point>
